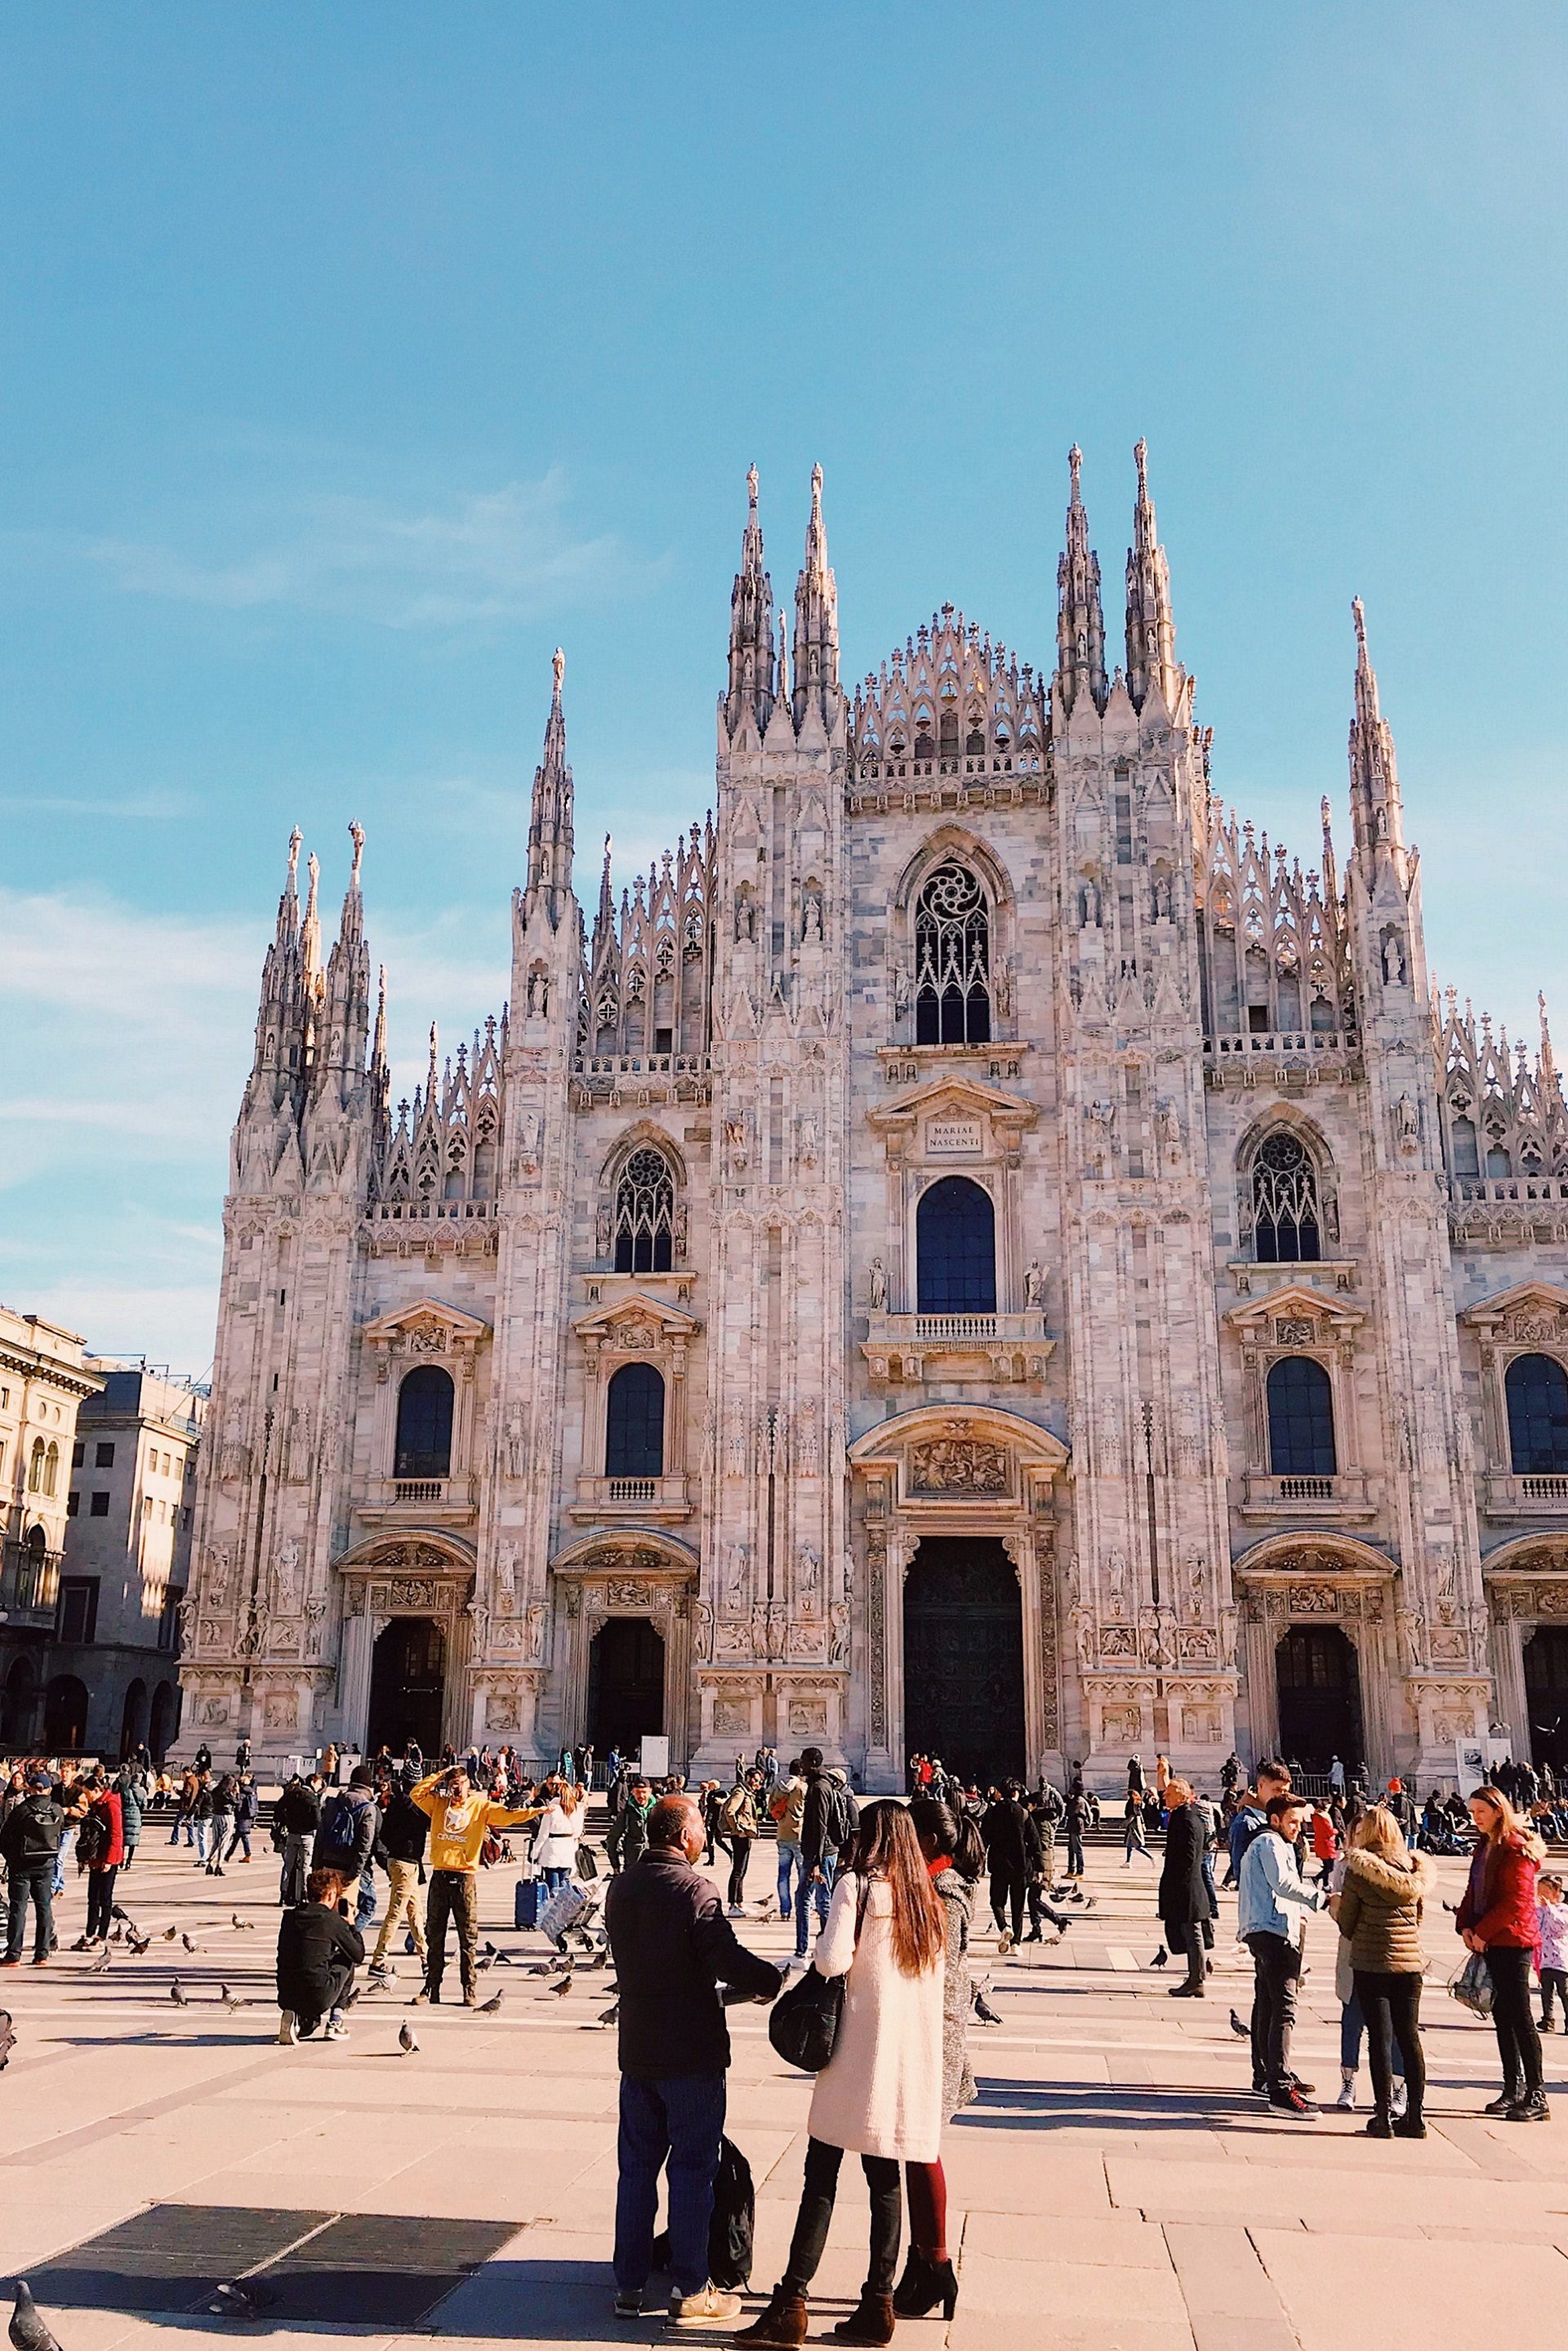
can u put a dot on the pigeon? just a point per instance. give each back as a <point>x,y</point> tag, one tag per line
<point>170,1933</point>
<point>505,1960</point>
<point>137,1943</point>
<point>7,2039</point>
<point>177,1994</point>
<point>984,2010</point>
<point>241,1926</point>
<point>1242,2032</point>
<point>187,1942</point>
<point>490,2007</point>
<point>101,1962</point>
<point>601,1957</point>
<point>27,2330</point>
<point>406,2040</point>
<point>490,1952</point>
<point>1161,1958</point>
<point>123,1916</point>
<point>609,2015</point>
<point>228,1997</point>
<point>485,1959</point>
<point>233,2300</point>
<point>556,1990</point>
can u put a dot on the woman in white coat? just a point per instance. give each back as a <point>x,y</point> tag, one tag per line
<point>560,1826</point>
<point>880,2095</point>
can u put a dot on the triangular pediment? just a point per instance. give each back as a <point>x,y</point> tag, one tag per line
<point>425,1316</point>
<point>637,1311</point>
<point>1297,1302</point>
<point>955,1097</point>
<point>1529,1310</point>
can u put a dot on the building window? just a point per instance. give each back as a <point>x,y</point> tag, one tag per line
<point>169,1622</point>
<point>103,1457</point>
<point>51,1468</point>
<point>73,1502</point>
<point>635,1423</point>
<point>185,1520</point>
<point>76,1618</point>
<point>35,1466</point>
<point>952,960</point>
<point>424,1423</point>
<point>1301,1419</point>
<point>644,1213</point>
<point>1537,1390</point>
<point>955,1249</point>
<point>78,1454</point>
<point>1285,1222</point>
<point>97,1505</point>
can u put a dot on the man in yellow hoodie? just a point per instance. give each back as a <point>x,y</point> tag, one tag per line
<point>460,1821</point>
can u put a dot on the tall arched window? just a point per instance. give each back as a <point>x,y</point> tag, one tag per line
<point>1301,1419</point>
<point>51,1469</point>
<point>424,1423</point>
<point>952,960</point>
<point>635,1423</point>
<point>1537,1391</point>
<point>35,1467</point>
<point>644,1213</point>
<point>1466,1150</point>
<point>955,1249</point>
<point>1285,1223</point>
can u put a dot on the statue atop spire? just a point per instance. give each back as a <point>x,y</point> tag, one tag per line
<point>1376,811</point>
<point>1080,626</point>
<point>816,620</point>
<point>750,684</point>
<point>550,822</point>
<point>1151,630</point>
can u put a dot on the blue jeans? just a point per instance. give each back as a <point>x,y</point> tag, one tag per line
<point>554,1880</point>
<point>819,1893</point>
<point>789,1874</point>
<point>678,2120</point>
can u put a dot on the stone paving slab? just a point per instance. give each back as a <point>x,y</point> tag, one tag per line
<point>1116,2189</point>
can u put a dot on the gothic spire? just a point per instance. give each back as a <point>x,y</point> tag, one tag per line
<point>549,826</point>
<point>1376,812</point>
<point>816,619</point>
<point>751,626</point>
<point>1080,626</point>
<point>1151,630</point>
<point>347,1013</point>
<point>604,920</point>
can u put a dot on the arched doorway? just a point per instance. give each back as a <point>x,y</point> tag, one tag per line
<point>17,1710</point>
<point>165,1720</point>
<point>408,1686</point>
<point>625,1684</point>
<point>1546,1694</point>
<point>963,1657</point>
<point>65,1716</point>
<point>133,1719</point>
<point>1319,1686</point>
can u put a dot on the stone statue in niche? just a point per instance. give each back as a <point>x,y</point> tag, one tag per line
<point>737,1590</point>
<point>808,1578</point>
<point>744,914</point>
<point>1089,903</point>
<point>808,1143</point>
<point>507,1573</point>
<point>878,1286</point>
<point>1167,1133</point>
<point>1034,1283</point>
<point>1099,1133</point>
<point>1393,958</point>
<point>1407,1124</point>
<point>285,1575</point>
<point>735,1143</point>
<point>839,1644</point>
<point>515,1443</point>
<point>1117,1583</point>
<point>538,993</point>
<point>811,924</point>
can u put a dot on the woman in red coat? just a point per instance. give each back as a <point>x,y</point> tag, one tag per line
<point>103,1828</point>
<point>1497,1917</point>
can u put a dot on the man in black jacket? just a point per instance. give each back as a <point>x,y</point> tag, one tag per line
<point>29,1846</point>
<point>400,1849</point>
<point>1184,1899</point>
<point>822,1820</point>
<point>673,1947</point>
<point>1013,1852</point>
<point>318,1952</point>
<point>296,1816</point>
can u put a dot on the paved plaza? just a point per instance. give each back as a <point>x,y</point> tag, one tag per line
<point>1115,2189</point>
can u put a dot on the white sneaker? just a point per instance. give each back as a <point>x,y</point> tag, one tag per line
<point>709,2308</point>
<point>1346,2102</point>
<point>336,2029</point>
<point>289,2030</point>
<point>1398,2098</point>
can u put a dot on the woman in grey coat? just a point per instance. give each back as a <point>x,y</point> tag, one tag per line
<point>955,1856</point>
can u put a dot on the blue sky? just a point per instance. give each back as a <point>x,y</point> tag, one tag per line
<point>355,356</point>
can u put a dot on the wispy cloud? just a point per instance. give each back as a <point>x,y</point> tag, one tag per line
<point>504,554</point>
<point>143,807</point>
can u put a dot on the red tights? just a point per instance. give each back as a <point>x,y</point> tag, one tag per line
<point>926,2190</point>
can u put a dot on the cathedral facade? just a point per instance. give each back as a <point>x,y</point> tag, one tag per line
<point>977,1251</point>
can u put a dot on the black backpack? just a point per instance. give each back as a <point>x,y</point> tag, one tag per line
<point>93,1838</point>
<point>732,2228</point>
<point>340,1826</point>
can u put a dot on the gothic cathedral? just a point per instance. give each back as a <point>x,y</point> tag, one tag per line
<point>976,1252</point>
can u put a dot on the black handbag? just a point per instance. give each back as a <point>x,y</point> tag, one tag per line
<point>804,2024</point>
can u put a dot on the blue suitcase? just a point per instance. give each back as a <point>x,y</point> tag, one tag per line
<point>525,1903</point>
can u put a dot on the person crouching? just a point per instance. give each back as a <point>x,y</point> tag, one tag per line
<point>318,1951</point>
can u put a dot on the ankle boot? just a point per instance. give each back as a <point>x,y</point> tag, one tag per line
<point>923,2285</point>
<point>870,2322</point>
<point>1511,2093</point>
<point>782,2325</point>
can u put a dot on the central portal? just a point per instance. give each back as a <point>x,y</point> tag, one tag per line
<point>1320,1697</point>
<point>625,1684</point>
<point>408,1684</point>
<point>963,1657</point>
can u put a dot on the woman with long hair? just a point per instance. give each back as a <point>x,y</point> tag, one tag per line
<point>1497,1917</point>
<point>954,1856</point>
<point>1378,1912</point>
<point>561,1827</point>
<point>880,2095</point>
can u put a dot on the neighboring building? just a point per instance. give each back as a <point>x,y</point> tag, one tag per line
<point>113,1666</point>
<point>45,1380</point>
<point>977,1251</point>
